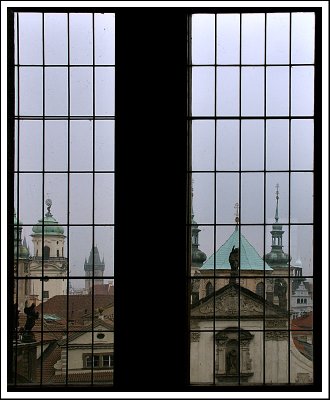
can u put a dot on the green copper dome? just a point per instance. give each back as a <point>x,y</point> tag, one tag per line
<point>249,257</point>
<point>51,226</point>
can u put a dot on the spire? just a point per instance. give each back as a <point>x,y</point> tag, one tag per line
<point>277,193</point>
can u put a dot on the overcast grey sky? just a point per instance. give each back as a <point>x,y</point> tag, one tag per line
<point>57,150</point>
<point>215,145</point>
<point>204,133</point>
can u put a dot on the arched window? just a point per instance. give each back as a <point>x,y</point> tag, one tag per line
<point>260,289</point>
<point>209,288</point>
<point>46,252</point>
<point>298,301</point>
<point>57,253</point>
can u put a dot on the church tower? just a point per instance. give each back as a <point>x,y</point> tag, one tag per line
<point>98,269</point>
<point>48,259</point>
<point>279,260</point>
<point>21,266</point>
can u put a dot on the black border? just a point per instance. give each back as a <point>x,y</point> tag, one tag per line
<point>152,353</point>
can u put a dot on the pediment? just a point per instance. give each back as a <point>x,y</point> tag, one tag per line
<point>48,267</point>
<point>225,303</point>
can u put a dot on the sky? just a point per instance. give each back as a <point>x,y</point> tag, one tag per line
<point>213,144</point>
<point>77,155</point>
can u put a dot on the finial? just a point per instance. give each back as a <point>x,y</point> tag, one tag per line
<point>48,204</point>
<point>236,214</point>
<point>277,193</point>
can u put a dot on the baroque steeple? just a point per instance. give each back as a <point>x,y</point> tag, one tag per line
<point>197,256</point>
<point>277,257</point>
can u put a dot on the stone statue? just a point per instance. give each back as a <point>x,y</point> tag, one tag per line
<point>234,259</point>
<point>232,362</point>
<point>32,316</point>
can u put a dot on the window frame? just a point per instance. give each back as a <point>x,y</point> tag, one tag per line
<point>173,178</point>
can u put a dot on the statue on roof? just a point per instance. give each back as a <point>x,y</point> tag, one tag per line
<point>31,316</point>
<point>234,259</point>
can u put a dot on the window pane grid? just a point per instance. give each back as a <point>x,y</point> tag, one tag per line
<point>203,271</point>
<point>60,299</point>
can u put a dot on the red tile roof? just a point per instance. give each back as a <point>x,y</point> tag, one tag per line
<point>79,305</point>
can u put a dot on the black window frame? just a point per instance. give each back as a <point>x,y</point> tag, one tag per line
<point>151,112</point>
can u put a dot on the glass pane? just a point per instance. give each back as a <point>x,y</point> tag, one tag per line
<point>301,197</point>
<point>301,249</point>
<point>276,370</point>
<point>81,198</point>
<point>30,91</point>
<point>104,145</point>
<point>104,239</point>
<point>81,39</point>
<point>278,37</point>
<point>227,91</point>
<point>30,145</point>
<point>202,249</point>
<point>203,145</point>
<point>203,91</point>
<point>277,91</point>
<point>253,38</point>
<point>252,97</point>
<point>30,197</point>
<point>302,92</point>
<point>201,357</point>
<point>104,38</point>
<point>302,144</point>
<point>228,38</point>
<point>56,146</point>
<point>104,91</point>
<point>252,145</point>
<point>30,38</point>
<point>81,91</point>
<point>227,145</point>
<point>277,145</point>
<point>56,91</point>
<point>203,36</point>
<point>252,198</point>
<point>56,39</point>
<point>56,188</point>
<point>301,345</point>
<point>80,245</point>
<point>277,185</point>
<point>203,200</point>
<point>303,37</point>
<point>104,199</point>
<point>226,184</point>
<point>81,146</point>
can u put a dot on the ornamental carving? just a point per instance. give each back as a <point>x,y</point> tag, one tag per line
<point>280,324</point>
<point>228,305</point>
<point>276,335</point>
<point>303,377</point>
<point>195,336</point>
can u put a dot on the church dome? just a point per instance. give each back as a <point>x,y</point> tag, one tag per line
<point>51,226</point>
<point>249,257</point>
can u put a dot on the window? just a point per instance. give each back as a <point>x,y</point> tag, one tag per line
<point>63,131</point>
<point>251,121</point>
<point>145,119</point>
<point>100,361</point>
